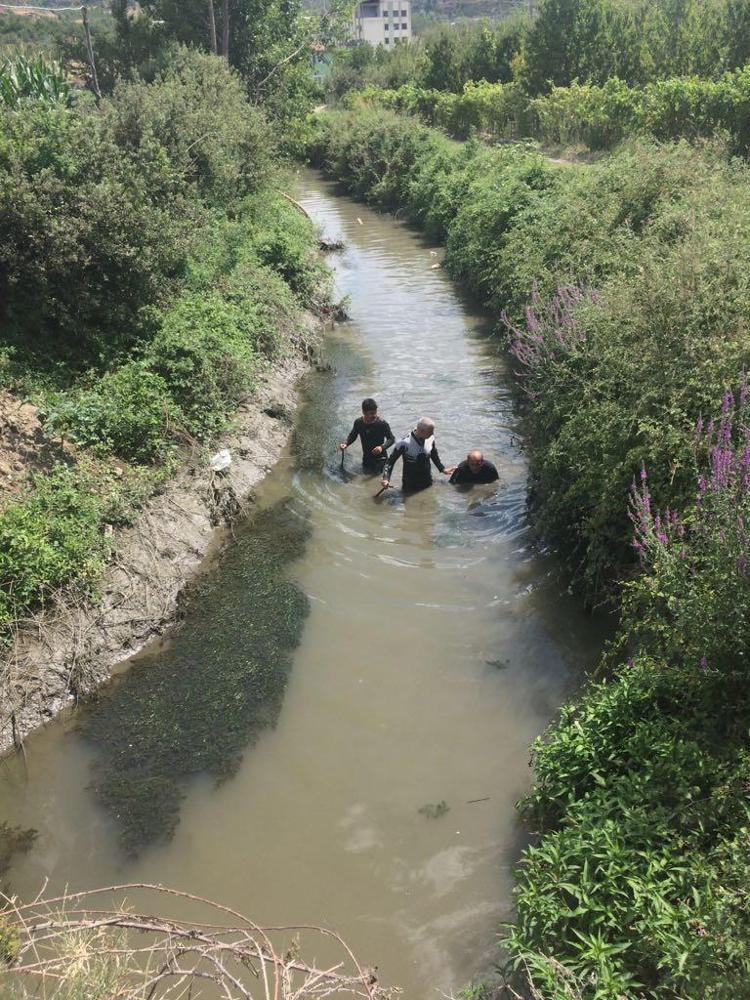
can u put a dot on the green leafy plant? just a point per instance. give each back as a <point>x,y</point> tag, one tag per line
<point>23,79</point>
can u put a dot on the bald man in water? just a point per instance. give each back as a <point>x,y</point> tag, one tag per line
<point>417,451</point>
<point>475,470</point>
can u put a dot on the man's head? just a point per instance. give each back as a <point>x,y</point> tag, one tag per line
<point>369,410</point>
<point>475,459</point>
<point>425,428</point>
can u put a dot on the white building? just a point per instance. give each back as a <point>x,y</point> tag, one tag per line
<point>383,22</point>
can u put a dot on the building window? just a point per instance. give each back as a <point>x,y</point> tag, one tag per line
<point>387,41</point>
<point>404,26</point>
<point>386,27</point>
<point>403,13</point>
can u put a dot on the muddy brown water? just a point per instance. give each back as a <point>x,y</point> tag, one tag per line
<point>345,665</point>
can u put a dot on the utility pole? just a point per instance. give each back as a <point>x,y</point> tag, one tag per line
<point>212,26</point>
<point>90,50</point>
<point>225,30</point>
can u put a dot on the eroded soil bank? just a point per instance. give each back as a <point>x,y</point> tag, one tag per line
<point>72,647</point>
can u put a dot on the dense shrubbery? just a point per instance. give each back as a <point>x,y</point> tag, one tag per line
<point>640,880</point>
<point>583,71</point>
<point>598,116</point>
<point>146,272</point>
<point>444,59</point>
<point>568,42</point>
<point>99,210</point>
<point>626,296</point>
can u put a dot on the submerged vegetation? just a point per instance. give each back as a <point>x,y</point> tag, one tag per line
<point>211,699</point>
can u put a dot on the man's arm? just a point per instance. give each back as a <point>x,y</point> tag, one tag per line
<point>389,436</point>
<point>353,435</point>
<point>436,459</point>
<point>441,468</point>
<point>394,456</point>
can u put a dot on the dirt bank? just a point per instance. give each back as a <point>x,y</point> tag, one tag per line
<point>72,647</point>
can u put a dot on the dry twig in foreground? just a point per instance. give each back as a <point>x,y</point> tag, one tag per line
<point>59,941</point>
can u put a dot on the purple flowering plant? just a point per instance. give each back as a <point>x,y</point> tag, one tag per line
<point>693,597</point>
<point>552,331</point>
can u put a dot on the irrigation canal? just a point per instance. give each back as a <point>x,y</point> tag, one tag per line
<point>346,664</point>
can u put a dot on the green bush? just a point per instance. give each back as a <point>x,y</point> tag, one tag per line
<point>205,356</point>
<point>49,539</point>
<point>23,80</point>
<point>597,116</point>
<point>194,118</point>
<point>639,883</point>
<point>128,411</point>
<point>283,240</point>
<point>99,210</point>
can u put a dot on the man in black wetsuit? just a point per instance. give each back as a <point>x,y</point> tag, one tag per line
<point>375,435</point>
<point>475,470</point>
<point>417,451</point>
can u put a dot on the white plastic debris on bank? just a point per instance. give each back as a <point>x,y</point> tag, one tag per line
<point>221,460</point>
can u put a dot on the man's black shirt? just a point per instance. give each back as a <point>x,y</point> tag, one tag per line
<point>371,435</point>
<point>486,473</point>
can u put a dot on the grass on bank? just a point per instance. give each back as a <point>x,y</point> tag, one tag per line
<point>622,292</point>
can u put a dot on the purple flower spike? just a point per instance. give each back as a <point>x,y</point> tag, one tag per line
<point>704,663</point>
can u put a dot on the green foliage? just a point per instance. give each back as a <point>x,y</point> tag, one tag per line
<point>598,116</point>
<point>23,80</point>
<point>99,210</point>
<point>638,885</point>
<point>445,59</point>
<point>196,119</point>
<point>691,108</point>
<point>594,40</point>
<point>48,539</point>
<point>204,354</point>
<point>128,411</point>
<point>10,942</point>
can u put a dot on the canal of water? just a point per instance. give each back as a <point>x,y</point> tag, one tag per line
<point>338,731</point>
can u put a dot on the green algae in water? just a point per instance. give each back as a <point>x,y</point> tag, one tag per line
<point>13,840</point>
<point>434,810</point>
<point>195,706</point>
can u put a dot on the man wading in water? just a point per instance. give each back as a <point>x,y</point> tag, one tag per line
<point>476,469</point>
<point>417,451</point>
<point>374,433</point>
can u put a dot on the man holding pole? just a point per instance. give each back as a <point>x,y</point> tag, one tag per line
<point>419,453</point>
<point>374,433</point>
